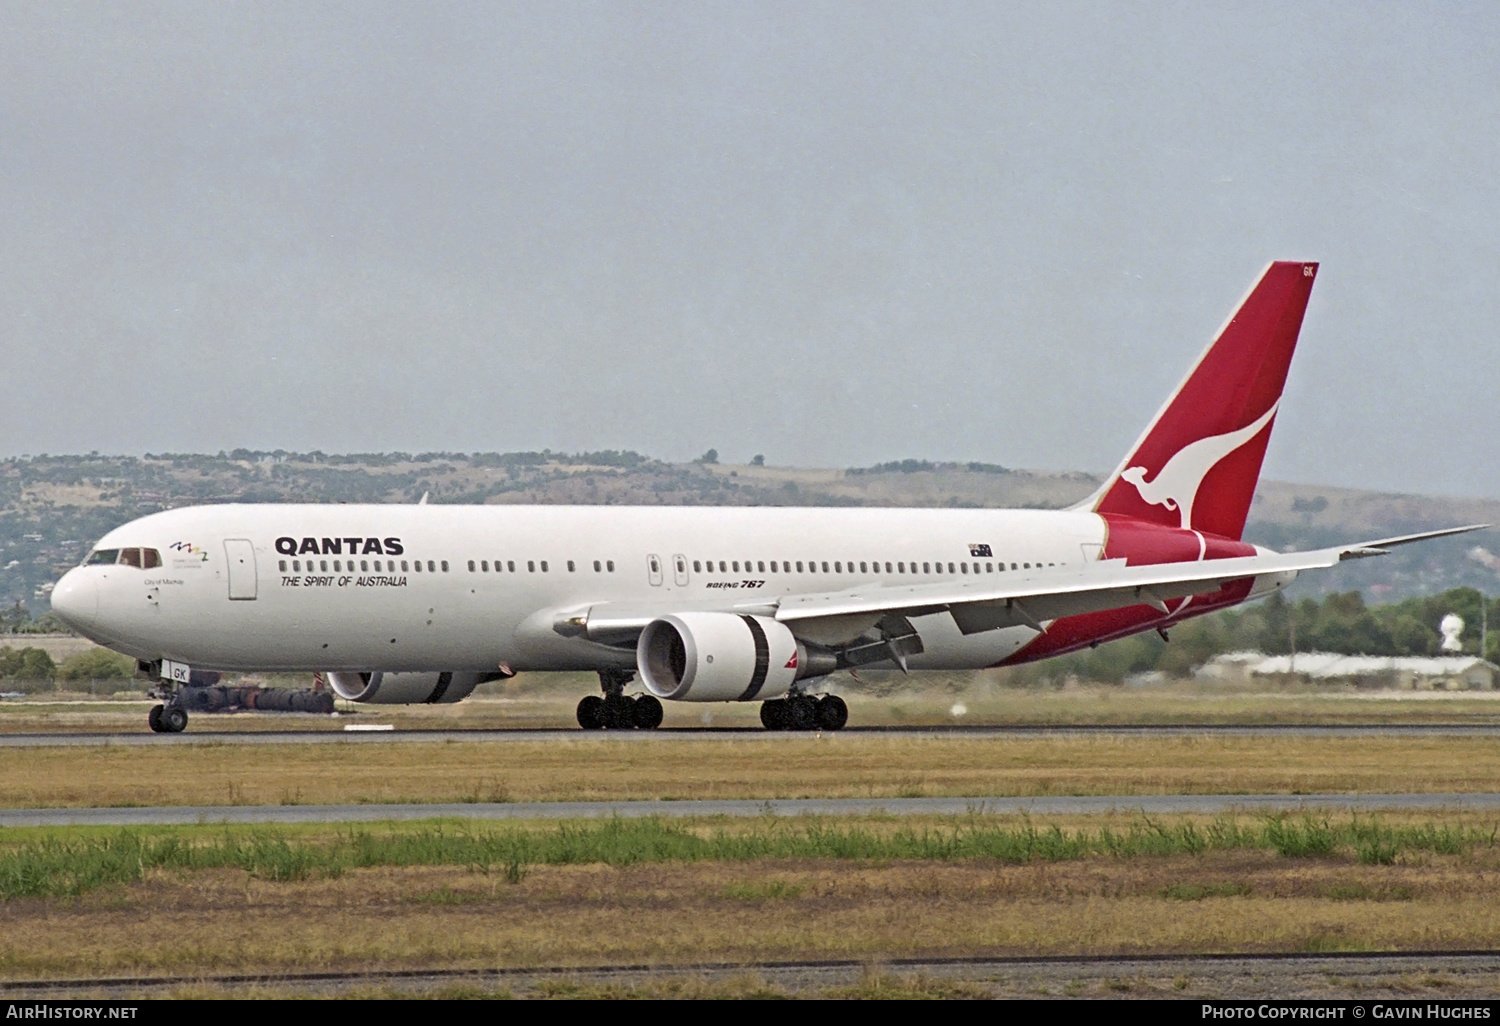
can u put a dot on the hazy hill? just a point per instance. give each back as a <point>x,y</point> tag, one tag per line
<point>53,507</point>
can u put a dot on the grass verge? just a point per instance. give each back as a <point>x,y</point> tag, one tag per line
<point>58,866</point>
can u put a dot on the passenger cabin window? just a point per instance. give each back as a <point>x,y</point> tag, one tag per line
<point>697,566</point>
<point>597,567</point>
<point>609,565</point>
<point>445,565</point>
<point>571,568</point>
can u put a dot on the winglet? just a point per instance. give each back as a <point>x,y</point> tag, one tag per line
<point>1382,546</point>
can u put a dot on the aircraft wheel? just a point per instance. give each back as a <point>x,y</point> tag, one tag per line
<point>591,713</point>
<point>804,712</point>
<point>174,719</point>
<point>773,715</point>
<point>648,712</point>
<point>154,718</point>
<point>833,713</point>
<point>619,712</point>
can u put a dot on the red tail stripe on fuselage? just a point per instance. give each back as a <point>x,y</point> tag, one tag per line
<point>1141,544</point>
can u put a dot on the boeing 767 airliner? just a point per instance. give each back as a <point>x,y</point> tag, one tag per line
<point>421,603</point>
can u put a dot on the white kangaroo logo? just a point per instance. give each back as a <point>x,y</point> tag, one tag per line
<point>1176,484</point>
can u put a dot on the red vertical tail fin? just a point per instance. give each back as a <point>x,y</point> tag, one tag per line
<point>1197,464</point>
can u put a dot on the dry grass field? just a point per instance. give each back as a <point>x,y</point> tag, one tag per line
<point>191,921</point>
<point>185,922</point>
<point>601,766</point>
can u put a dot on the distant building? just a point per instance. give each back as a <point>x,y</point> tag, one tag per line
<point>1411,673</point>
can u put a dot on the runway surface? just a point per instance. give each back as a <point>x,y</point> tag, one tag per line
<point>1062,805</point>
<point>323,737</point>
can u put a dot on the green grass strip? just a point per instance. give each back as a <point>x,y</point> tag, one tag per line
<point>60,867</point>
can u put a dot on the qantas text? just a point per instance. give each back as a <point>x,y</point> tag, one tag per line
<point>338,546</point>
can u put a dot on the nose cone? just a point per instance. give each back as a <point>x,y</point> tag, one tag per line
<point>76,599</point>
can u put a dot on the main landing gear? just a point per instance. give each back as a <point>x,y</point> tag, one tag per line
<point>617,710</point>
<point>804,712</point>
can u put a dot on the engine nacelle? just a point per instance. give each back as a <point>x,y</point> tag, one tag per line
<point>718,657</point>
<point>380,688</point>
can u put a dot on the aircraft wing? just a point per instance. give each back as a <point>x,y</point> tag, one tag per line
<point>990,602</point>
<point>983,603</point>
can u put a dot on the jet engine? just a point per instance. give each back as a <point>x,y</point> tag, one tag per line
<point>724,657</point>
<point>380,688</point>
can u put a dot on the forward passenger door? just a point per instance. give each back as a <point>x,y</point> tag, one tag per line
<point>240,555</point>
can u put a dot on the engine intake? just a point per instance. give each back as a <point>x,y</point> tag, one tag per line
<point>723,657</point>
<point>381,688</point>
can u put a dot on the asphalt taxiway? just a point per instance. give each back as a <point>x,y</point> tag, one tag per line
<point>1213,804</point>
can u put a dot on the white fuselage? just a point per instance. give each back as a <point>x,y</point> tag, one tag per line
<point>303,602</point>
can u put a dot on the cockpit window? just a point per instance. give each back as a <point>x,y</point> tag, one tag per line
<point>150,558</point>
<point>130,557</point>
<point>99,556</point>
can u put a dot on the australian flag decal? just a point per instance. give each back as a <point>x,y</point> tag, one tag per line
<point>979,551</point>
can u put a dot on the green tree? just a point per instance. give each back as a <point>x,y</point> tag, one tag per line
<point>26,664</point>
<point>96,664</point>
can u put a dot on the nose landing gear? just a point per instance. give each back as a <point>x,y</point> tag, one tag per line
<point>617,710</point>
<point>168,719</point>
<point>804,712</point>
